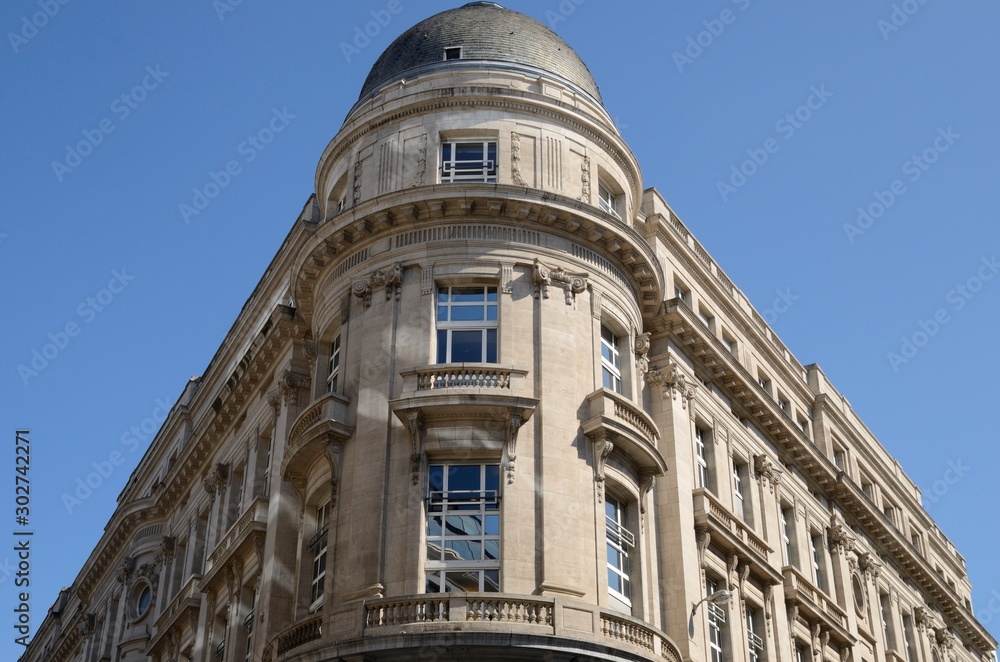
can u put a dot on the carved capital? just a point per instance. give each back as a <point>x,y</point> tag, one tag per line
<point>870,565</point>
<point>674,382</point>
<point>603,445</point>
<point>572,283</point>
<point>390,278</point>
<point>766,471</point>
<point>87,627</point>
<point>841,539</point>
<point>289,386</point>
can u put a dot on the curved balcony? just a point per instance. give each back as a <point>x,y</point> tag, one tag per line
<point>632,430</point>
<point>493,626</point>
<point>323,421</point>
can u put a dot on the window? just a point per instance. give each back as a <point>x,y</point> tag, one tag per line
<point>333,373</point>
<point>620,540</point>
<point>908,638</point>
<point>840,458</point>
<point>706,317</point>
<point>453,53</point>
<point>755,642</point>
<point>731,344</point>
<point>888,630</point>
<point>267,463</point>
<point>803,424</point>
<point>788,534</point>
<point>915,539</point>
<point>701,442</point>
<point>608,200</point>
<point>741,492</point>
<point>610,360</point>
<point>467,324</point>
<point>818,560</point>
<point>248,626</point>
<point>867,487</point>
<point>764,381</point>
<point>223,626</point>
<point>469,161</point>
<point>463,528</point>
<point>890,512</point>
<point>801,653</point>
<point>318,547</point>
<point>681,292</point>
<point>716,617</point>
<point>783,404</point>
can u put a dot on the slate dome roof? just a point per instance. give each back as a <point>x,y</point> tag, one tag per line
<point>485,31</point>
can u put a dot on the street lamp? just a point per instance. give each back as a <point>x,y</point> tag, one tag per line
<point>720,597</point>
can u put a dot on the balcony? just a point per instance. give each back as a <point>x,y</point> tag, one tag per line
<point>187,602</point>
<point>817,607</point>
<point>240,537</point>
<point>633,431</point>
<point>475,621</point>
<point>324,421</point>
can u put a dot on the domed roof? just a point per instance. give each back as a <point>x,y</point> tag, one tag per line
<point>483,31</point>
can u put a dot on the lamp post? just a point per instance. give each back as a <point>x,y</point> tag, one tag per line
<point>720,597</point>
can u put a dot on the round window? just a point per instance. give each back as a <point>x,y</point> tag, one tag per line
<point>142,595</point>
<point>859,592</point>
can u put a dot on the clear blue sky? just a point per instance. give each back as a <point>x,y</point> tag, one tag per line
<point>206,82</point>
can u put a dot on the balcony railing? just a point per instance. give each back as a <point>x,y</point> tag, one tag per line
<point>331,407</point>
<point>636,433</point>
<point>300,634</point>
<point>480,376</point>
<point>469,171</point>
<point>255,514</point>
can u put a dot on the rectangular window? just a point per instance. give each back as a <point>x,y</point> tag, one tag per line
<point>453,53</point>
<point>463,528</point>
<point>469,161</point>
<point>706,317</point>
<point>716,618</point>
<point>467,324</point>
<point>888,630</point>
<point>840,458</point>
<point>909,640</point>
<point>333,373</point>
<point>802,424</point>
<point>608,201</point>
<point>788,534</point>
<point>610,360</point>
<point>764,381</point>
<point>801,653</point>
<point>755,643</point>
<point>620,541</point>
<point>248,626</point>
<point>701,441</point>
<point>741,494</point>
<point>818,560</point>
<point>784,405</point>
<point>318,546</point>
<point>267,463</point>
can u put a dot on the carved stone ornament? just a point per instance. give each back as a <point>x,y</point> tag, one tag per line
<point>391,278</point>
<point>585,180</point>
<point>418,177</point>
<point>290,385</point>
<point>513,424</point>
<point>415,424</point>
<point>704,538</point>
<point>603,445</point>
<point>572,283</point>
<point>641,353</point>
<point>358,172</point>
<point>515,160</point>
<point>87,627</point>
<point>216,479</point>
<point>766,471</point>
<point>674,382</point>
<point>943,639</point>
<point>870,565</point>
<point>332,451</point>
<point>841,538</point>
<point>126,571</point>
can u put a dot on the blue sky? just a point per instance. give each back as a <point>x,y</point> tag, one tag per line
<point>95,248</point>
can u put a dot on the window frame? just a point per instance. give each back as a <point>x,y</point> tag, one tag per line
<point>444,508</point>
<point>702,443</point>
<point>618,539</point>
<point>445,329</point>
<point>607,199</point>
<point>716,619</point>
<point>319,547</point>
<point>334,365</point>
<point>611,360</point>
<point>489,167</point>
<point>755,642</point>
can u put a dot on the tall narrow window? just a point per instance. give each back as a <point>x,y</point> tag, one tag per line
<point>267,463</point>
<point>463,528</point>
<point>318,547</point>
<point>469,161</point>
<point>608,200</point>
<point>716,619</point>
<point>741,493</point>
<point>333,372</point>
<point>818,560</point>
<point>801,653</point>
<point>888,631</point>
<point>223,626</point>
<point>248,623</point>
<point>620,541</point>
<point>755,643</point>
<point>908,638</point>
<point>467,324</point>
<point>610,360</point>
<point>701,441</point>
<point>788,534</point>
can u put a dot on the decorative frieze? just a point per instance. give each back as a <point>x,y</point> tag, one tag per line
<point>572,283</point>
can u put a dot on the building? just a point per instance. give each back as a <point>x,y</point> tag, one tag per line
<point>492,400</point>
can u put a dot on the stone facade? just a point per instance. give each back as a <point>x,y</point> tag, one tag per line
<point>506,375</point>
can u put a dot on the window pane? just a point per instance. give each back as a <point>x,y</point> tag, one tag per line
<point>493,477</point>
<point>436,477</point>
<point>491,550</point>
<point>442,346</point>
<point>462,581</point>
<point>491,313</point>
<point>446,152</point>
<point>467,294</point>
<point>464,550</point>
<point>491,294</point>
<point>464,478</point>
<point>434,526</point>
<point>491,581</point>
<point>433,584</point>
<point>442,313</point>
<point>491,345</point>
<point>466,314</point>
<point>492,525</point>
<point>466,346</point>
<point>464,525</point>
<point>469,151</point>
<point>434,551</point>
